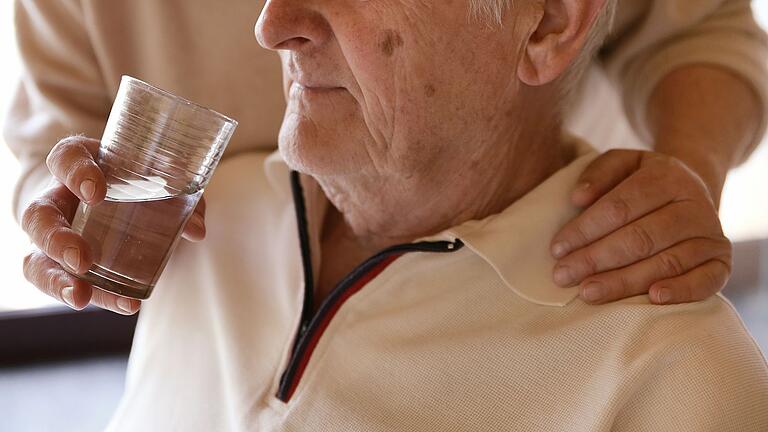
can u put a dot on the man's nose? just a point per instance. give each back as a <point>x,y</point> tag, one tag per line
<point>291,25</point>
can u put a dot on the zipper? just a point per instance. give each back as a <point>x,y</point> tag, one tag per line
<point>350,285</point>
<point>311,327</point>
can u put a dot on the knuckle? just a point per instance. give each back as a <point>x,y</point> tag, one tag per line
<point>708,219</point>
<point>60,202</point>
<point>712,280</point>
<point>31,213</point>
<point>34,207</point>
<point>617,211</point>
<point>701,292</point>
<point>78,169</point>
<point>31,218</point>
<point>638,242</point>
<point>29,266</point>
<point>49,237</point>
<point>97,298</point>
<point>726,260</point>
<point>680,291</point>
<point>669,163</point>
<point>579,233</point>
<point>71,141</point>
<point>683,292</point>
<point>60,149</point>
<point>674,164</point>
<point>669,169</point>
<point>645,179</point>
<point>694,188</point>
<point>588,262</point>
<point>689,293</point>
<point>656,157</point>
<point>105,301</point>
<point>670,264</point>
<point>620,286</point>
<point>27,261</point>
<point>726,245</point>
<point>47,283</point>
<point>53,156</point>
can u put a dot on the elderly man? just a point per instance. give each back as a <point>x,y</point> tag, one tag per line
<point>676,63</point>
<point>422,309</point>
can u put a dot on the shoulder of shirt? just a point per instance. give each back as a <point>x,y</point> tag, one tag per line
<point>709,325</point>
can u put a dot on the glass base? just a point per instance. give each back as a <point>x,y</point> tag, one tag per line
<point>116,283</point>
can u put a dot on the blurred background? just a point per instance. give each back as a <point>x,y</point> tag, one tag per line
<point>71,378</point>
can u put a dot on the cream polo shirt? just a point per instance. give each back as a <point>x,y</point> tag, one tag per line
<point>463,331</point>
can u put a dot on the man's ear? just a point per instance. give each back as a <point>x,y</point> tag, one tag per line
<point>557,39</point>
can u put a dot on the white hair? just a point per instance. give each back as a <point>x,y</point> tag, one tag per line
<point>491,12</point>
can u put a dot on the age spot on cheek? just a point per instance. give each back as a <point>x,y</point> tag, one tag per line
<point>429,90</point>
<point>390,42</point>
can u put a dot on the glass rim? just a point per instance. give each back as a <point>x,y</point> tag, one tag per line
<point>195,106</point>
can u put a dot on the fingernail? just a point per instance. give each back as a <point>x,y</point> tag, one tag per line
<point>72,258</point>
<point>664,295</point>
<point>197,222</point>
<point>124,305</point>
<point>560,249</point>
<point>68,295</point>
<point>563,276</point>
<point>88,190</point>
<point>593,292</point>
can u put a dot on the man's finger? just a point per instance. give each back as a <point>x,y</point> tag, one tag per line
<point>114,303</point>
<point>48,276</point>
<point>63,199</point>
<point>638,278</point>
<point>72,162</point>
<point>49,230</point>
<point>698,284</point>
<point>603,174</point>
<point>194,230</point>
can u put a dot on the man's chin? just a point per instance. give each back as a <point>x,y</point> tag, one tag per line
<point>318,159</point>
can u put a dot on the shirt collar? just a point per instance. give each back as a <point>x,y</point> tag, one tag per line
<point>515,242</point>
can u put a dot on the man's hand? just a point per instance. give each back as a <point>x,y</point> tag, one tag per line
<point>47,222</point>
<point>651,226</point>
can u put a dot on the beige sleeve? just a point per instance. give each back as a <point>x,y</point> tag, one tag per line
<point>712,378</point>
<point>60,92</point>
<point>673,33</point>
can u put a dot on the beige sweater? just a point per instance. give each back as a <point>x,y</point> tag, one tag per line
<point>75,51</point>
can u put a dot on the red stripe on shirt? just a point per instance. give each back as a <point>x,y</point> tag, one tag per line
<point>358,285</point>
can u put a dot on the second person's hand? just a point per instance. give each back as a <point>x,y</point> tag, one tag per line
<point>650,226</point>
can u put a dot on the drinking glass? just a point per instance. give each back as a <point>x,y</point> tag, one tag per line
<point>158,153</point>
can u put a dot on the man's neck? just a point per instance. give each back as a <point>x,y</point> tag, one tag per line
<point>376,212</point>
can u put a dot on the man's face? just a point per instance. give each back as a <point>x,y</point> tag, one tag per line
<point>391,87</point>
